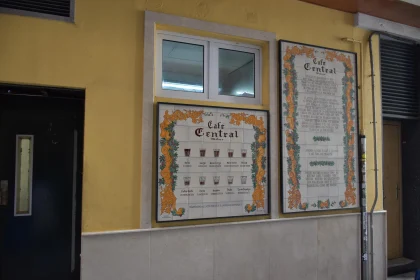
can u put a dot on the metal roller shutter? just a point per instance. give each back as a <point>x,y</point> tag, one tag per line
<point>60,8</point>
<point>400,79</point>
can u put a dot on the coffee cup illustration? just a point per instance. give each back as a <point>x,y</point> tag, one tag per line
<point>187,152</point>
<point>230,180</point>
<point>243,153</point>
<point>187,181</point>
<point>243,180</point>
<point>216,152</point>
<point>230,153</point>
<point>202,180</point>
<point>216,180</point>
<point>202,152</point>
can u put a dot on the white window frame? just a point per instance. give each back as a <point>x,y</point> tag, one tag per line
<point>158,78</point>
<point>211,69</point>
<point>214,72</point>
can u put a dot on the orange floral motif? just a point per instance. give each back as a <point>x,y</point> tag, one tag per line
<point>294,195</point>
<point>180,212</point>
<point>324,204</point>
<point>259,191</point>
<point>167,196</point>
<point>303,206</point>
<point>343,203</point>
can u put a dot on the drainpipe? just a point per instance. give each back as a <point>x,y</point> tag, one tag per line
<point>375,155</point>
<point>367,238</point>
<point>362,175</point>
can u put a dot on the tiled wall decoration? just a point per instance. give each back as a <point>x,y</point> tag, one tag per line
<point>212,162</point>
<point>319,128</point>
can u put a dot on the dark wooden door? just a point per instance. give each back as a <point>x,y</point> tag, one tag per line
<point>392,188</point>
<point>40,215</point>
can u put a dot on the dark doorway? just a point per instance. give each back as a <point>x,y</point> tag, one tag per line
<point>41,152</point>
<point>411,189</point>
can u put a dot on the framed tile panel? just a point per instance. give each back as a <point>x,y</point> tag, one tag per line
<point>319,128</point>
<point>212,162</point>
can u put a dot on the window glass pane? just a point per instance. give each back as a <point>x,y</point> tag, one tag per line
<point>236,73</point>
<point>23,174</point>
<point>182,66</point>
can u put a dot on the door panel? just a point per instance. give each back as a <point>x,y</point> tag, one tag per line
<point>392,187</point>
<point>39,245</point>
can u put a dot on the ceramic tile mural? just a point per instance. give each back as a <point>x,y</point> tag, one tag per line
<point>319,128</point>
<point>212,162</point>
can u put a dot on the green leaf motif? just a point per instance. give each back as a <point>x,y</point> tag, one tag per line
<point>321,138</point>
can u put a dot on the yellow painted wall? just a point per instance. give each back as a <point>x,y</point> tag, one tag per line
<point>103,53</point>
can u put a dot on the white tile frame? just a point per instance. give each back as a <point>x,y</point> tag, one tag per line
<point>151,19</point>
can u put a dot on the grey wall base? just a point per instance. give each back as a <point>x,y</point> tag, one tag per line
<point>313,248</point>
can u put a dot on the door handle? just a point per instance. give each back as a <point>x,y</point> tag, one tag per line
<point>398,191</point>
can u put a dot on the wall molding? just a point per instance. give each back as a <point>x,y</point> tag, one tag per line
<point>372,23</point>
<point>116,232</point>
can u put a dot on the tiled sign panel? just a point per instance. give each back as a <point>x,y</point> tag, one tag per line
<point>212,162</point>
<point>319,128</point>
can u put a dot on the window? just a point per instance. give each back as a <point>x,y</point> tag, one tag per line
<point>58,10</point>
<point>207,69</point>
<point>182,67</point>
<point>23,181</point>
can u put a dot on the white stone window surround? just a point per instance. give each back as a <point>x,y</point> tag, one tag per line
<point>153,18</point>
